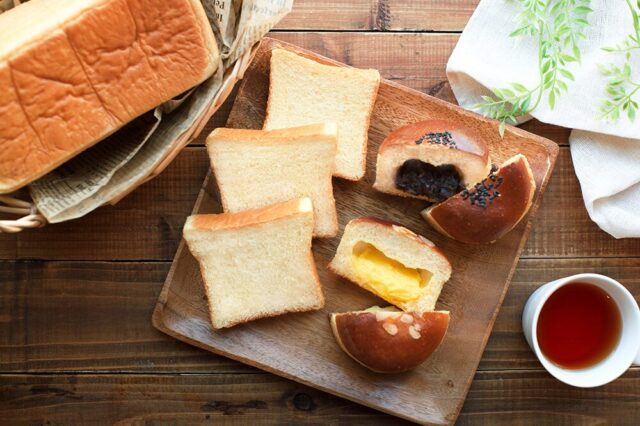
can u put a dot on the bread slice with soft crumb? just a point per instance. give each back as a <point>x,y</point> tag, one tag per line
<point>257,263</point>
<point>256,168</point>
<point>394,263</point>
<point>304,91</point>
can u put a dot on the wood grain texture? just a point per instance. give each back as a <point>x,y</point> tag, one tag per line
<point>496,398</point>
<point>94,317</point>
<point>113,333</point>
<point>380,15</point>
<point>302,346</point>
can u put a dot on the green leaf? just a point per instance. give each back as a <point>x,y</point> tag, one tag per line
<point>567,74</point>
<point>552,99</point>
<point>524,105</point>
<point>519,87</point>
<point>562,85</point>
<point>576,53</point>
<point>583,9</point>
<point>501,128</point>
<point>604,70</point>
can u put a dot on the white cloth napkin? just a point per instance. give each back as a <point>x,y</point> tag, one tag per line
<point>605,154</point>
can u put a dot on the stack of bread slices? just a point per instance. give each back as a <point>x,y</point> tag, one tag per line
<point>276,190</point>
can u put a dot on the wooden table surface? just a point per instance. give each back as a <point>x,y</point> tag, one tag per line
<point>76,342</point>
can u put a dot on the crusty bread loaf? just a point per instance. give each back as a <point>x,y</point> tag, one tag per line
<point>402,247</point>
<point>303,91</point>
<point>72,72</point>
<point>257,263</point>
<point>492,208</point>
<point>256,168</point>
<point>431,160</point>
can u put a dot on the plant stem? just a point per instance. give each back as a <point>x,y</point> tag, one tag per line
<point>622,101</point>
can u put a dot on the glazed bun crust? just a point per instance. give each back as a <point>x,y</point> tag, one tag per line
<point>389,342</point>
<point>465,139</point>
<point>464,219</point>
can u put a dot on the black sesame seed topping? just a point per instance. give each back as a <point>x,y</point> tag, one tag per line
<point>438,138</point>
<point>483,193</point>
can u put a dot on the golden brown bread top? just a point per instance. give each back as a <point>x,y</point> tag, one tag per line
<point>463,216</point>
<point>438,134</point>
<point>214,222</point>
<point>389,342</point>
<point>84,69</point>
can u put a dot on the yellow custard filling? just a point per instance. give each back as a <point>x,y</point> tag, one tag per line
<point>387,277</point>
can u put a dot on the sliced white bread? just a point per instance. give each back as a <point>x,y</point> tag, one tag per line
<point>256,168</point>
<point>408,258</point>
<point>304,91</point>
<point>257,263</point>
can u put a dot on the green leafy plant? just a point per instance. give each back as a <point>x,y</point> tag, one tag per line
<point>559,27</point>
<point>620,88</point>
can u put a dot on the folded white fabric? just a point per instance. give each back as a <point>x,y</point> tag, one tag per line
<point>605,153</point>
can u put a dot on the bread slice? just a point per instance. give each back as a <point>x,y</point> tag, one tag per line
<point>256,168</point>
<point>257,263</point>
<point>303,91</point>
<point>366,240</point>
<point>73,72</point>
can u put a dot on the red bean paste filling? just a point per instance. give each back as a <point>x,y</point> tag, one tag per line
<point>436,182</point>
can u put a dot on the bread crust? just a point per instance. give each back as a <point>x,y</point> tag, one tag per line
<point>214,222</point>
<point>389,342</point>
<point>84,70</point>
<point>464,221</point>
<point>293,137</point>
<point>468,152</point>
<point>249,218</point>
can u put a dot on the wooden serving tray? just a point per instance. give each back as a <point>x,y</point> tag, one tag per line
<point>301,346</point>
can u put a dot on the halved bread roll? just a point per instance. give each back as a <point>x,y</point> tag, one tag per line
<point>257,263</point>
<point>431,160</point>
<point>304,91</point>
<point>256,168</point>
<point>388,340</point>
<point>489,210</point>
<point>392,262</point>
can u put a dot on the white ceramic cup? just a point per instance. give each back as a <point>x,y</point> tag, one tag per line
<point>626,353</point>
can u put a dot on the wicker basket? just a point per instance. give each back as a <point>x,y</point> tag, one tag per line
<point>27,212</point>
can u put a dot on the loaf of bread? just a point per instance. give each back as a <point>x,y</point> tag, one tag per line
<point>304,91</point>
<point>392,262</point>
<point>72,72</point>
<point>257,263</point>
<point>256,168</point>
